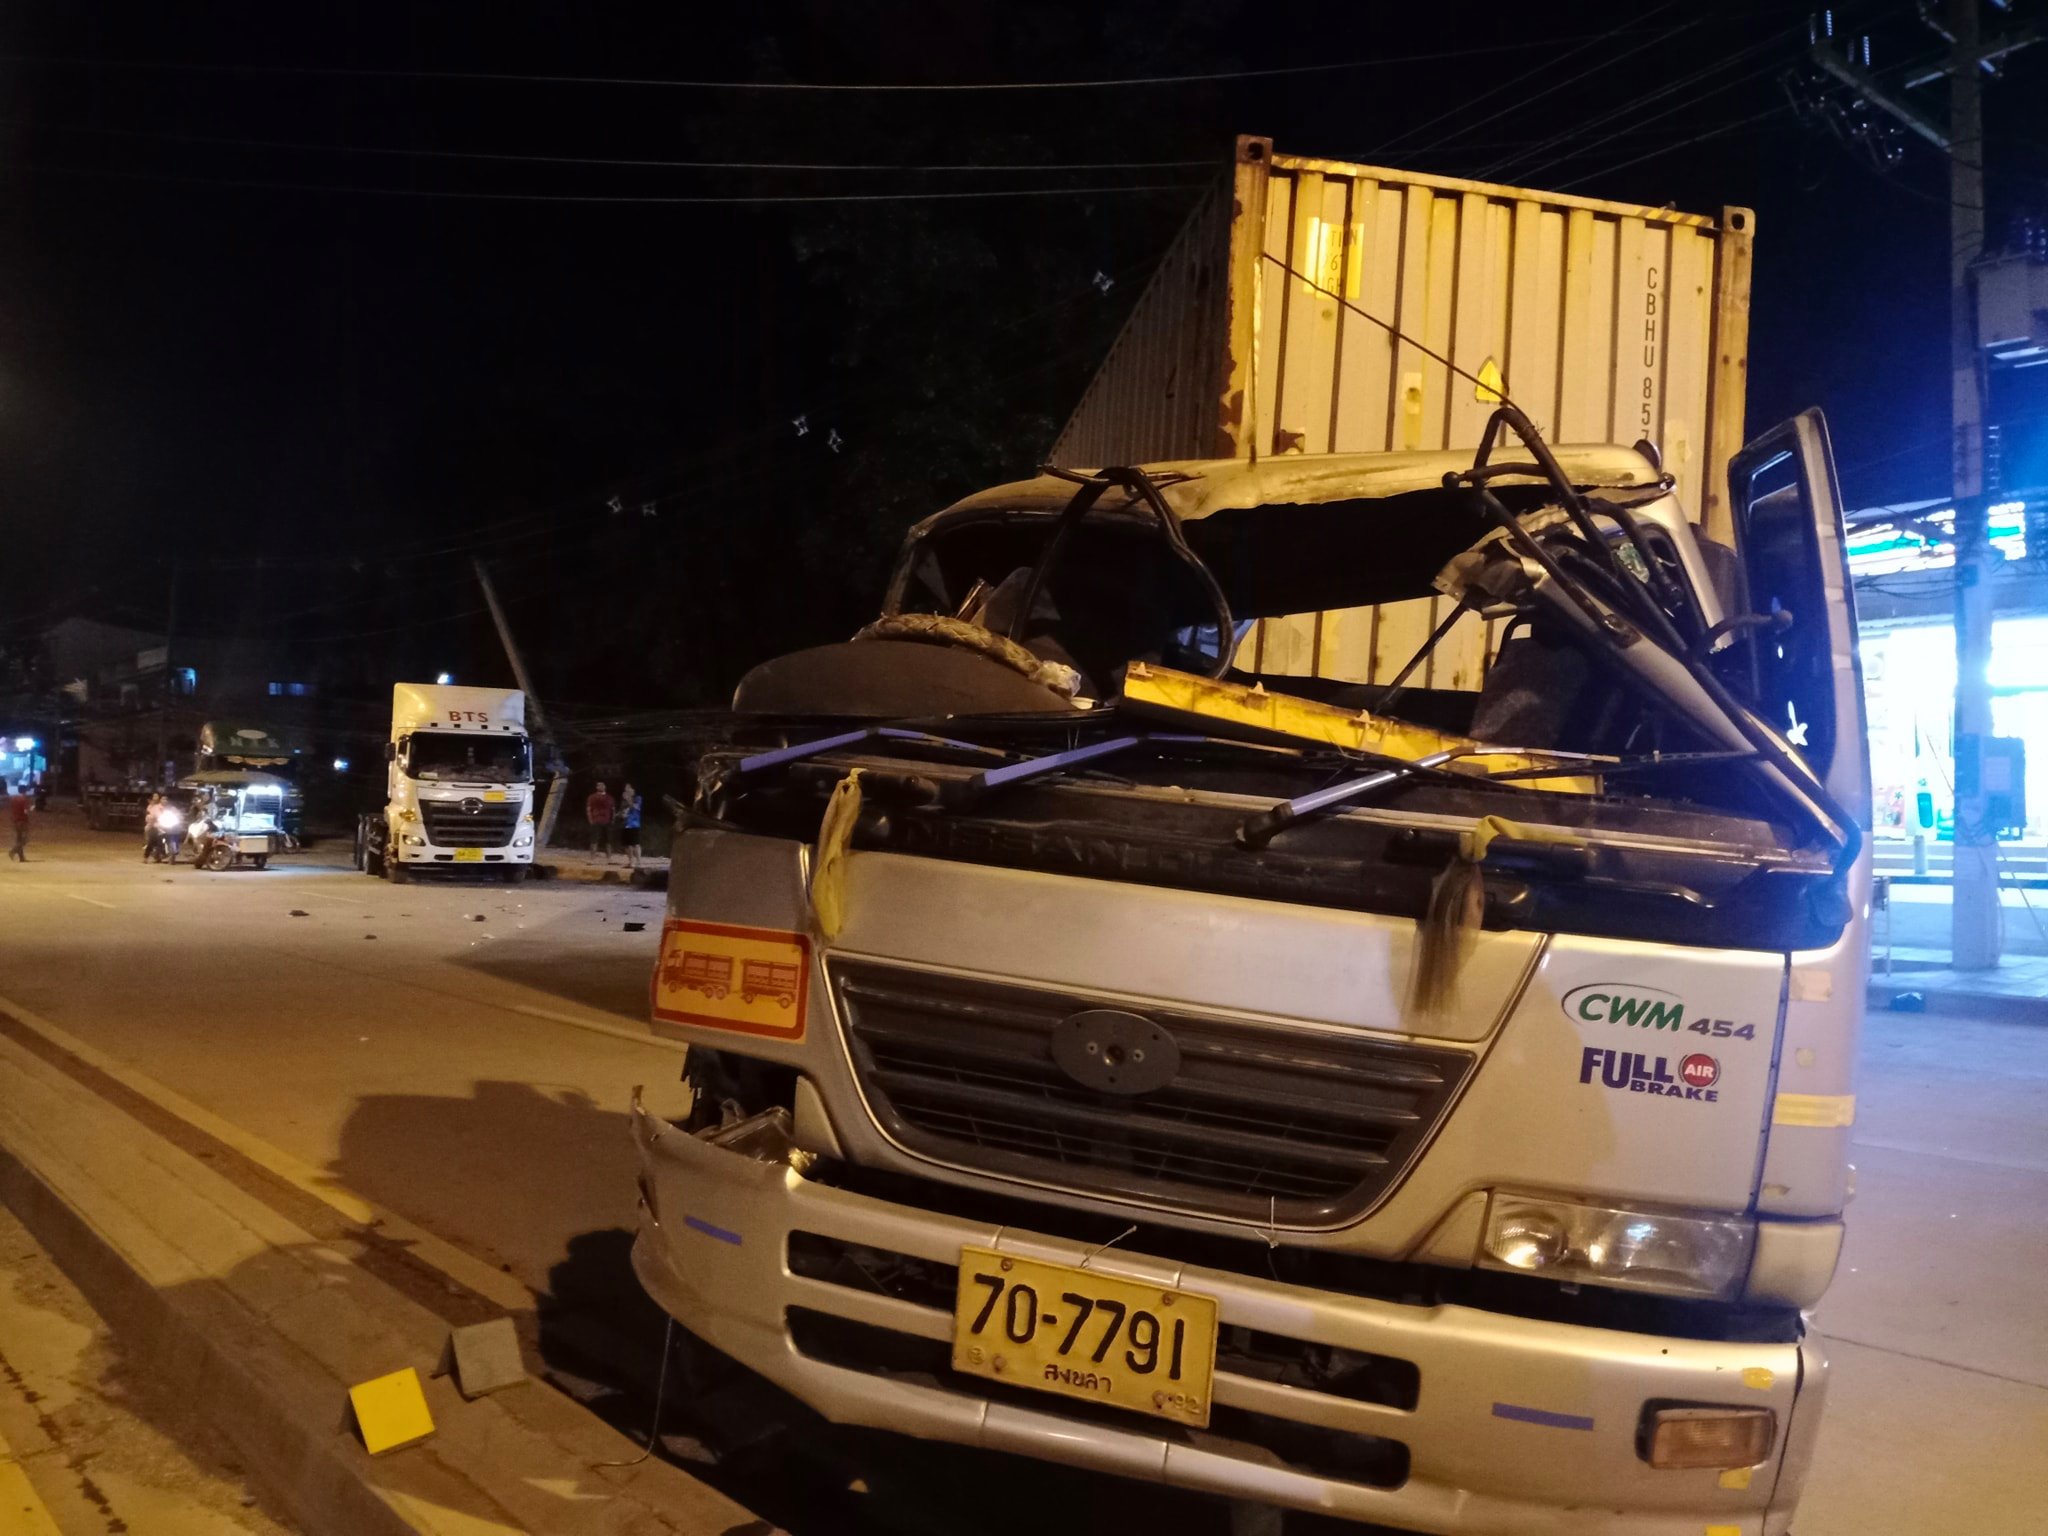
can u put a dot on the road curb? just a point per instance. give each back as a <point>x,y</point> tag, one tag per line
<point>321,1492</point>
<point>262,1327</point>
<point>1950,1003</point>
<point>637,879</point>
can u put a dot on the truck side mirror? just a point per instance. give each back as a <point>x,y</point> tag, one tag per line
<point>390,751</point>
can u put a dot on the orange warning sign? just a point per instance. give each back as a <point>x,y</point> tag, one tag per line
<point>754,980</point>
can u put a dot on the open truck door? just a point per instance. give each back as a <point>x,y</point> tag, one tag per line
<point>1802,670</point>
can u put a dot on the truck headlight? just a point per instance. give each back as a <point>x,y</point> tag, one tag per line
<point>523,840</point>
<point>1606,1245</point>
<point>1684,1435</point>
<point>413,840</point>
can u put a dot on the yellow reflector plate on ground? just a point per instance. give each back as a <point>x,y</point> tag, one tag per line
<point>391,1411</point>
<point>1076,1333</point>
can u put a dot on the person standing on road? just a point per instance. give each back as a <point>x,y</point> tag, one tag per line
<point>629,825</point>
<point>17,810</point>
<point>598,811</point>
<point>152,830</point>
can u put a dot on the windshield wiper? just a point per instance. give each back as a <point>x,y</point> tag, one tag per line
<point>781,757</point>
<point>1031,768</point>
<point>1261,829</point>
<point>1254,833</point>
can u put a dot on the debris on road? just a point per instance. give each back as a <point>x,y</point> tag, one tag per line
<point>298,912</point>
<point>635,927</point>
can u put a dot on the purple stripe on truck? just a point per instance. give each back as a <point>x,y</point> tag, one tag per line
<point>1541,1416</point>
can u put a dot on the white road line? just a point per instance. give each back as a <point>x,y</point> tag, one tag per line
<point>636,1036</point>
<point>492,1284</point>
<point>90,902</point>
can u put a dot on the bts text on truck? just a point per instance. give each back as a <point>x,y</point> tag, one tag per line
<point>1422,1099</point>
<point>459,786</point>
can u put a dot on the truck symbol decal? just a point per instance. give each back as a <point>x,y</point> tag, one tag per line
<point>766,978</point>
<point>726,976</point>
<point>685,971</point>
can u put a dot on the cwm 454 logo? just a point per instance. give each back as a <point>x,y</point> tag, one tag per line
<point>1640,1007</point>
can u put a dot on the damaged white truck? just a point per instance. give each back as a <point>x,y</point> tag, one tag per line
<point>1325,977</point>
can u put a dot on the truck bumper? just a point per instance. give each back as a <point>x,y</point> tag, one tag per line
<point>464,858</point>
<point>1519,1426</point>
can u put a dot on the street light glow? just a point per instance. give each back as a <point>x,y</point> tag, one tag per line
<point>444,678</point>
<point>24,743</point>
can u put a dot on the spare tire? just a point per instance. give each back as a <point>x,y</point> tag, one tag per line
<point>892,680</point>
<point>944,629</point>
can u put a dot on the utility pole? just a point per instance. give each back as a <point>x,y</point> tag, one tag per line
<point>170,688</point>
<point>545,829</point>
<point>1974,916</point>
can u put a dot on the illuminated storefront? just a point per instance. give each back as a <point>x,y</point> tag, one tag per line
<point>1903,564</point>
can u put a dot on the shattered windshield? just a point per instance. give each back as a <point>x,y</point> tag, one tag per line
<point>443,755</point>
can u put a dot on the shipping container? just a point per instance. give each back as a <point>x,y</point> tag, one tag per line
<point>1271,327</point>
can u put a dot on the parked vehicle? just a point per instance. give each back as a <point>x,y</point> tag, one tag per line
<point>222,746</point>
<point>116,807</point>
<point>230,744</point>
<point>459,785</point>
<point>237,818</point>
<point>1326,978</point>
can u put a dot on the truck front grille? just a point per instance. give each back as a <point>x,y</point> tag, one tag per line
<point>1260,1123</point>
<point>470,823</point>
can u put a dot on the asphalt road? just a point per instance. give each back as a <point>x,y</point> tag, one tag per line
<point>463,1055</point>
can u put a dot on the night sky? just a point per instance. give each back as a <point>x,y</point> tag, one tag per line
<point>284,294</point>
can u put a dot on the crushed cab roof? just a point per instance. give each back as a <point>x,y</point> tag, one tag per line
<point>1229,485</point>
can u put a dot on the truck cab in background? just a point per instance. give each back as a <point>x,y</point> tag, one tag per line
<point>458,785</point>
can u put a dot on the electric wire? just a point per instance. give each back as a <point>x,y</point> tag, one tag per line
<point>621,198</point>
<point>193,66</point>
<point>1541,156</point>
<point>1523,101</point>
<point>1699,138</point>
<point>624,162</point>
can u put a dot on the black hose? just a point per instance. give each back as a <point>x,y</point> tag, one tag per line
<point>1169,526</point>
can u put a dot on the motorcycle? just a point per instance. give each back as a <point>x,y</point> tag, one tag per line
<point>166,834</point>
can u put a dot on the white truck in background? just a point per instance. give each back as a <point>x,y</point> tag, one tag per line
<point>459,785</point>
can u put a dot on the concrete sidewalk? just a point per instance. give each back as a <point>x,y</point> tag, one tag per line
<point>2017,991</point>
<point>264,1325</point>
<point>1910,956</point>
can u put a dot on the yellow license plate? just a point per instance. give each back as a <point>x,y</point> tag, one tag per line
<point>1076,1333</point>
<point>469,855</point>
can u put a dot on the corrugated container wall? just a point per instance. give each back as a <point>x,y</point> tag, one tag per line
<point>1269,328</point>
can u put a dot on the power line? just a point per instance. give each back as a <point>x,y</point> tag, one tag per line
<point>609,160</point>
<point>650,199</point>
<point>1698,138</point>
<point>1535,159</point>
<point>820,87</point>
<point>1522,101</point>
